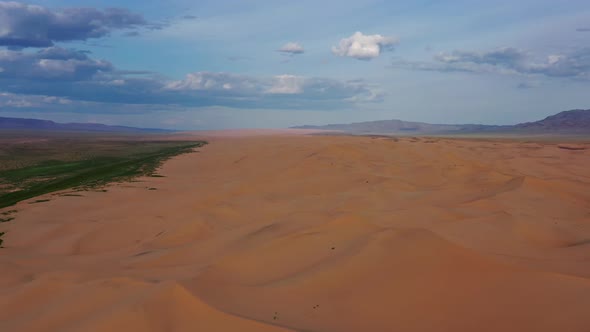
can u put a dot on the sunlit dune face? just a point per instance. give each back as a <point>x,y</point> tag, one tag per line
<point>277,231</point>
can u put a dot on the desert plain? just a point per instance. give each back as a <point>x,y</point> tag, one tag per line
<point>292,232</point>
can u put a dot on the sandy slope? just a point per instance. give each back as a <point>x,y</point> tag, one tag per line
<point>270,233</point>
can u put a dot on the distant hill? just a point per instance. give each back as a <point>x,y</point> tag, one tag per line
<point>385,126</point>
<point>36,125</point>
<point>575,121</point>
<point>398,126</point>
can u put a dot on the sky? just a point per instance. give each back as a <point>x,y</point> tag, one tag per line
<point>193,65</point>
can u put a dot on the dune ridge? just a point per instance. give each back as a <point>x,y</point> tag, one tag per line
<point>314,233</point>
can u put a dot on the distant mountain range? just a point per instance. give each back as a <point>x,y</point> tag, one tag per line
<point>576,120</point>
<point>570,122</point>
<point>46,125</point>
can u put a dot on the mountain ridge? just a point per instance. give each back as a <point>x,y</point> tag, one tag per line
<point>576,121</point>
<point>9,123</point>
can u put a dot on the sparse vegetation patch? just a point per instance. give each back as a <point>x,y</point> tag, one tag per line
<point>81,165</point>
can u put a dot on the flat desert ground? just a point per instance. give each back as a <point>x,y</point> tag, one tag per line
<point>314,233</point>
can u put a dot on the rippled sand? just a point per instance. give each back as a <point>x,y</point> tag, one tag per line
<point>314,233</point>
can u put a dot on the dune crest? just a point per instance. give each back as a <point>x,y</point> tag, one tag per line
<point>274,231</point>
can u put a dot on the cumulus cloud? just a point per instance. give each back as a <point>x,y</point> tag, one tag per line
<point>260,91</point>
<point>11,100</point>
<point>76,76</point>
<point>237,58</point>
<point>291,48</point>
<point>287,84</point>
<point>506,57</point>
<point>23,25</point>
<point>220,82</point>
<point>116,82</point>
<point>574,65</point>
<point>364,47</point>
<point>508,60</point>
<point>53,63</point>
<point>527,85</point>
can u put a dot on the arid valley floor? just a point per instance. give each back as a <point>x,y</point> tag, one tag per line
<point>314,233</point>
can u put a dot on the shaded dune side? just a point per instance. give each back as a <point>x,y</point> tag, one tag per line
<point>388,280</point>
<point>170,307</point>
<point>314,234</point>
<point>120,304</point>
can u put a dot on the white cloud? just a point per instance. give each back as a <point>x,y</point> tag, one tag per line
<point>23,25</point>
<point>370,96</point>
<point>507,60</point>
<point>278,92</point>
<point>117,82</point>
<point>214,82</point>
<point>364,47</point>
<point>527,85</point>
<point>287,84</point>
<point>292,48</point>
<point>56,100</point>
<point>58,66</point>
<point>238,84</point>
<point>12,100</point>
<point>51,63</point>
<point>553,59</point>
<point>19,103</point>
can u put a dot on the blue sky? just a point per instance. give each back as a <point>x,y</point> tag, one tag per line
<point>224,64</point>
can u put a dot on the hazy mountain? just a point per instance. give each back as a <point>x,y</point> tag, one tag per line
<point>574,121</point>
<point>35,125</point>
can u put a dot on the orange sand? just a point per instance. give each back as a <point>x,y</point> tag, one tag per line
<point>275,233</point>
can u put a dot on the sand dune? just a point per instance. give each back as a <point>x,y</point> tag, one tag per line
<point>274,231</point>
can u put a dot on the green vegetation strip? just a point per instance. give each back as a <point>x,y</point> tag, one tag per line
<point>55,175</point>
